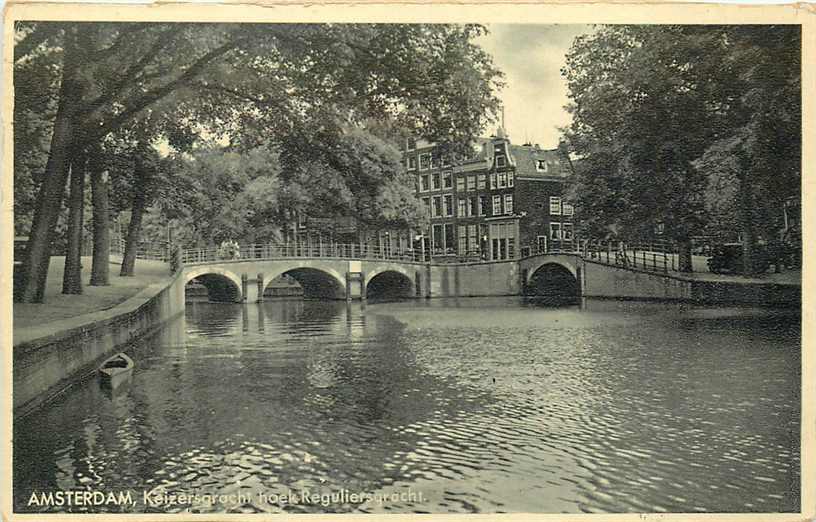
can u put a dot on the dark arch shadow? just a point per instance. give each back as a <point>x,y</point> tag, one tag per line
<point>219,288</point>
<point>554,283</point>
<point>390,285</point>
<point>317,284</point>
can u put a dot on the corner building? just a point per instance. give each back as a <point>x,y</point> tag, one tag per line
<point>504,202</point>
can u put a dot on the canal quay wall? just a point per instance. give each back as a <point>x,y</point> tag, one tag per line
<point>611,282</point>
<point>604,281</point>
<point>44,365</point>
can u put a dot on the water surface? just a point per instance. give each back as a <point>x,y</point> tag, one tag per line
<point>477,405</point>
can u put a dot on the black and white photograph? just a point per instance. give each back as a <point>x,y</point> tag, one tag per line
<point>497,264</point>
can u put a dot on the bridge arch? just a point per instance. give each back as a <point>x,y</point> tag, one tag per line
<point>552,279</point>
<point>317,282</point>
<point>390,281</point>
<point>222,285</point>
<point>534,267</point>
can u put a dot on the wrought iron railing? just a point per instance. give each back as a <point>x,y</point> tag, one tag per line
<point>652,256</point>
<point>301,250</point>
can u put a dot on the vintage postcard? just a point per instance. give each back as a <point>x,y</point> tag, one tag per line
<point>538,260</point>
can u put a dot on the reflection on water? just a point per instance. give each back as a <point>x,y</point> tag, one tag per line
<point>480,405</point>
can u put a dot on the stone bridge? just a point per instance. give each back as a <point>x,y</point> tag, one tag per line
<point>244,280</point>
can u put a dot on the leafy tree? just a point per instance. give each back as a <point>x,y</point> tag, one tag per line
<point>755,164</point>
<point>244,80</point>
<point>650,102</point>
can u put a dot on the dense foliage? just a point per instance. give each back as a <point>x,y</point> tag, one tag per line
<point>90,87</point>
<point>692,127</point>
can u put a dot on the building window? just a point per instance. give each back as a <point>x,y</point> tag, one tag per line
<point>484,201</point>
<point>567,209</point>
<point>541,165</point>
<point>449,238</point>
<point>497,205</point>
<point>412,163</point>
<point>436,181</point>
<point>508,203</point>
<point>462,207</point>
<point>474,206</point>
<point>423,183</point>
<point>434,161</point>
<point>510,179</point>
<point>424,161</point>
<point>437,206</point>
<point>502,179</point>
<point>463,240</point>
<point>448,205</point>
<point>460,183</point>
<point>501,161</point>
<point>411,144</point>
<point>555,231</point>
<point>427,203</point>
<point>566,231</point>
<point>447,182</point>
<point>445,161</point>
<point>473,240</point>
<point>492,180</point>
<point>438,238</point>
<point>555,206</point>
<point>471,183</point>
<point>482,181</point>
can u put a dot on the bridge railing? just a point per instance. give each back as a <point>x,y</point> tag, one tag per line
<point>654,256</point>
<point>651,256</point>
<point>300,250</point>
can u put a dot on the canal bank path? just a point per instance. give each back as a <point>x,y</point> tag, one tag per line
<point>61,312</point>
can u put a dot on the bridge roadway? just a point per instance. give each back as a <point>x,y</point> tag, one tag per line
<point>361,276</point>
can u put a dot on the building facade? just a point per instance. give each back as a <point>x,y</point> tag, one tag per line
<point>504,202</point>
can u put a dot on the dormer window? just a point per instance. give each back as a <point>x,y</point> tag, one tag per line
<point>501,161</point>
<point>541,165</point>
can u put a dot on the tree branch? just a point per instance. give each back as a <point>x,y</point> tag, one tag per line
<point>129,76</point>
<point>157,94</point>
<point>103,54</point>
<point>34,39</point>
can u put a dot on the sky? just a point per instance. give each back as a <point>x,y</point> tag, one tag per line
<point>531,57</point>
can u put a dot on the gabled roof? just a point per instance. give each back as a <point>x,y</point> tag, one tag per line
<point>527,158</point>
<point>524,157</point>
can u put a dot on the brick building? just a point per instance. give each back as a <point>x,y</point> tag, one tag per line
<point>503,202</point>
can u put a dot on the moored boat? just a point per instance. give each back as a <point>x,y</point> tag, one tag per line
<point>115,370</point>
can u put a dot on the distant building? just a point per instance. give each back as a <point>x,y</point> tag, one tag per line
<point>504,202</point>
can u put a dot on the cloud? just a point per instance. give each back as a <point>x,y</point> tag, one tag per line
<point>531,56</point>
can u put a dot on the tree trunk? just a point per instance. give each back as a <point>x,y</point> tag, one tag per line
<point>134,233</point>
<point>100,270</point>
<point>684,263</point>
<point>72,274</point>
<point>746,220</point>
<point>49,199</point>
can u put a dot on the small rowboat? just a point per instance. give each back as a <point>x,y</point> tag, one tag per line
<point>115,370</point>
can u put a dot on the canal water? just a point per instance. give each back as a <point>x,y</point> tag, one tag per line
<point>440,406</point>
